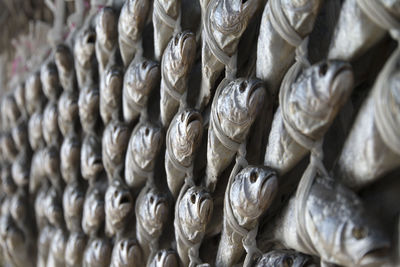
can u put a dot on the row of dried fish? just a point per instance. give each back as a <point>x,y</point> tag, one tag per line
<point>84,148</point>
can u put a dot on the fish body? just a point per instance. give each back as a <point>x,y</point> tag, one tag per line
<point>34,98</point>
<point>139,81</point>
<point>40,215</point>
<point>111,94</point>
<point>144,145</point>
<point>7,183</point>
<point>53,208</point>
<point>282,258</point>
<point>97,253</point>
<point>85,58</point>
<point>64,61</point>
<point>19,134</point>
<point>248,196</point>
<point>93,211</point>
<point>56,257</point>
<point>19,96</point>
<point>68,113</point>
<point>88,105</point>
<point>37,172</point>
<point>73,200</point>
<point>235,109</point>
<point>51,132</point>
<point>50,82</point>
<point>165,258</point>
<point>35,133</point>
<point>70,153</point>
<point>126,252</point>
<point>176,64</point>
<point>194,212</point>
<point>74,249</point>
<point>91,161</point>
<point>183,138</point>
<point>311,104</point>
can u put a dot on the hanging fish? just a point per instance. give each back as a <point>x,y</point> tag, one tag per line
<point>56,257</point>
<point>166,19</point>
<point>223,25</point>
<point>35,133</point>
<point>126,253</point>
<point>130,26</point>
<point>114,142</point>
<point>165,258</point>
<point>118,207</point>
<point>64,61</point>
<point>73,199</point>
<point>97,253</point>
<point>93,210</point>
<point>193,212</point>
<point>91,162</point>
<point>176,65</point>
<point>39,208</point>
<point>283,27</point>
<point>248,196</point>
<point>85,58</point>
<point>7,182</point>
<point>235,107</point>
<point>68,113</point>
<point>143,148</point>
<point>50,82</point>
<point>308,105</point>
<point>74,249</point>
<point>284,258</point>
<point>20,211</point>
<point>34,98</point>
<point>183,140</point>
<point>70,153</point>
<point>140,79</point>
<point>50,130</point>
<point>111,94</point>
<point>88,104</point>
<point>151,214</point>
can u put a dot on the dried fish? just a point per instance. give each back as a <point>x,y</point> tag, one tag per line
<point>249,194</point>
<point>91,162</point>
<point>192,213</point>
<point>282,258</point>
<point>308,106</point>
<point>19,212</point>
<point>143,148</point>
<point>8,147</point>
<point>118,207</point>
<point>224,22</point>
<point>9,112</point>
<point>130,26</point>
<point>114,143</point>
<point>70,153</point>
<point>165,258</point>
<point>35,133</point>
<point>7,182</point>
<point>34,99</point>
<point>50,130</point>
<point>53,209</point>
<point>85,59</point>
<point>73,199</point>
<point>19,134</point>
<point>88,104</point>
<point>373,146</point>
<point>93,210</point>
<point>40,215</point>
<point>166,20</point>
<point>51,167</point>
<point>126,252</point>
<point>74,249</point>
<point>37,172</point>
<point>176,64</point>
<point>64,61</point>
<point>111,94</point>
<point>140,79</point>
<point>68,113</point>
<point>183,140</point>
<point>44,241</point>
<point>19,96</point>
<point>234,109</point>
<point>19,170</point>
<point>283,27</point>
<point>50,82</point>
<point>151,213</point>
<point>97,253</point>
<point>58,243</point>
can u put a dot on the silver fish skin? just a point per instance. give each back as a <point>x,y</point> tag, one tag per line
<point>8,148</point>
<point>236,108</point>
<point>185,135</point>
<point>250,194</point>
<point>228,21</point>
<point>140,79</point>
<point>19,169</point>
<point>68,113</point>
<point>130,26</point>
<point>53,208</point>
<point>316,96</point>
<point>44,240</point>
<point>194,212</point>
<point>85,58</point>
<point>111,94</point>
<point>177,62</point>
<point>34,98</point>
<point>272,66</point>
<point>73,200</point>
<point>366,33</point>
<point>162,31</point>
<point>126,253</point>
<point>7,182</point>
<point>50,82</point>
<point>151,214</point>
<point>56,257</point>
<point>35,133</point>
<point>74,249</point>
<point>118,207</point>
<point>339,227</point>
<point>64,61</point>
<point>91,160</point>
<point>10,112</point>
<point>282,258</point>
<point>88,104</point>
<point>165,258</point>
<point>51,132</point>
<point>114,143</point>
<point>93,211</point>
<point>70,153</point>
<point>144,145</point>
<point>106,37</point>
<point>97,253</point>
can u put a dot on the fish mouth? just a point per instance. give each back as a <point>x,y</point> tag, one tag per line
<point>376,256</point>
<point>186,41</point>
<point>124,202</point>
<point>89,39</point>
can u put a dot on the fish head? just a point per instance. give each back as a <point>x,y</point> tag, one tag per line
<point>18,207</point>
<point>301,14</point>
<point>113,80</point>
<point>186,134</point>
<point>75,247</point>
<point>251,193</point>
<point>84,47</point>
<point>142,78</point>
<point>147,142</point>
<point>106,27</point>
<point>118,202</point>
<point>91,161</point>
<point>33,93</point>
<point>35,130</point>
<point>73,200</point>
<point>50,82</point>
<point>126,252</point>
<point>69,158</point>
<point>9,111</point>
<point>93,210</point>
<point>165,258</point>
<point>285,258</point>
<point>68,111</point>
<point>180,54</point>
<point>153,210</point>
<point>318,94</point>
<point>64,60</point>
<point>137,11</point>
<point>98,253</point>
<point>238,105</point>
<point>195,210</point>
<point>19,134</point>
<point>88,104</point>
<point>54,209</point>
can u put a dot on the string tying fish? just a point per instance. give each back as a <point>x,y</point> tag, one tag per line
<point>166,19</point>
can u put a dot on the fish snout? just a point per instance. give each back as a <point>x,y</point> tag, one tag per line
<point>376,257</point>
<point>161,209</point>
<point>205,208</point>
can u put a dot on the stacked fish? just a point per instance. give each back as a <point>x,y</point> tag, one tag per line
<point>205,133</point>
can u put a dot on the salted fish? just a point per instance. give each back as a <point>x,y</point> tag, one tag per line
<point>126,253</point>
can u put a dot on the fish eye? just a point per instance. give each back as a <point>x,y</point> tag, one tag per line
<point>358,232</point>
<point>287,262</point>
<point>151,200</point>
<point>253,177</point>
<point>193,198</point>
<point>323,69</point>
